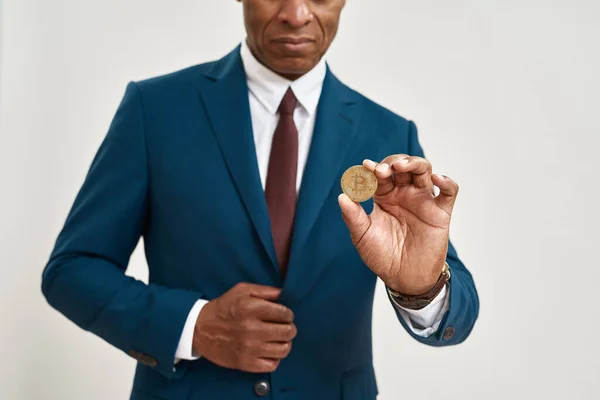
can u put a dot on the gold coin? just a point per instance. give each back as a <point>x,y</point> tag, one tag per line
<point>359,183</point>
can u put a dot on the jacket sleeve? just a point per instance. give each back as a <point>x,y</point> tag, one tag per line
<point>458,322</point>
<point>85,279</point>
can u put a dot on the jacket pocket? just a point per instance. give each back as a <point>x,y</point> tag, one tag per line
<point>359,384</point>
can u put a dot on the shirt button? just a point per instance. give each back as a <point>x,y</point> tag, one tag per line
<point>262,388</point>
<point>448,333</point>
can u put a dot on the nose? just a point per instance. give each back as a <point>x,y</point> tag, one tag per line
<point>295,13</point>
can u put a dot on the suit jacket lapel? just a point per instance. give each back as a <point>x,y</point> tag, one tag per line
<point>335,130</point>
<point>225,99</point>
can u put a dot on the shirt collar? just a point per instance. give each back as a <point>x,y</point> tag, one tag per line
<point>269,87</point>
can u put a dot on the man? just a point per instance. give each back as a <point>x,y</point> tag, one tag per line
<point>259,285</point>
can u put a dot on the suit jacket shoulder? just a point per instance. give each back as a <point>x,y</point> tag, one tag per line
<point>181,77</point>
<point>383,123</point>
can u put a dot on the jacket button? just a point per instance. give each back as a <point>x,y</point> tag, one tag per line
<point>262,388</point>
<point>448,333</point>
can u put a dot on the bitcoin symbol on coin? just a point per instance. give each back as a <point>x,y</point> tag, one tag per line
<point>359,183</point>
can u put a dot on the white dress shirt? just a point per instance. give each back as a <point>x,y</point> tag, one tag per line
<point>265,92</point>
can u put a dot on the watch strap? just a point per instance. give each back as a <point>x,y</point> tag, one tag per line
<point>417,302</point>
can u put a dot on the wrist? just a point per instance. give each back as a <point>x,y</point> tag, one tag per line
<point>185,349</point>
<point>420,285</point>
<point>420,300</point>
<point>202,327</point>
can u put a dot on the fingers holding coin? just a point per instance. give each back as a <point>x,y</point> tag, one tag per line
<point>400,170</point>
<point>389,172</point>
<point>383,174</point>
<point>412,169</point>
<point>359,183</point>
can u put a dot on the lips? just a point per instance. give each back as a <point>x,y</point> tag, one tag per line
<point>293,40</point>
<point>296,45</point>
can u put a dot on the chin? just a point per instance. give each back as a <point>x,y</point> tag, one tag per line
<point>294,66</point>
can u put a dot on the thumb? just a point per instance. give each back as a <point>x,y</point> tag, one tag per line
<point>354,216</point>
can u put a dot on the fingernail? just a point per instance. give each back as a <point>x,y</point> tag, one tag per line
<point>404,161</point>
<point>370,163</point>
<point>439,176</point>
<point>383,167</point>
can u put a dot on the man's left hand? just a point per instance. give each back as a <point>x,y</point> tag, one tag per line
<point>405,239</point>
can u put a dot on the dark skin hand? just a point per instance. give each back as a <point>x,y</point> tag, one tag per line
<point>245,329</point>
<point>405,239</point>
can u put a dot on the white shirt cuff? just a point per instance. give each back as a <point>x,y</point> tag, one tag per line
<point>184,349</point>
<point>429,317</point>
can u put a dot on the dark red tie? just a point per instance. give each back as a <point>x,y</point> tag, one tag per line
<point>280,189</point>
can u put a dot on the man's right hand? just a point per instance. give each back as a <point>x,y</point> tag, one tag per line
<point>245,329</point>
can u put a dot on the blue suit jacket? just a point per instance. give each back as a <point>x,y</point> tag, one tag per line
<point>178,166</point>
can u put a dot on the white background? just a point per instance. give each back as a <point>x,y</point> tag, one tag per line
<point>506,98</point>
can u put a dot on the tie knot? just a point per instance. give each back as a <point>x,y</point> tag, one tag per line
<point>288,103</point>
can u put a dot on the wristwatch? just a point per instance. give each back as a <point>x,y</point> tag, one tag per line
<point>417,302</point>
